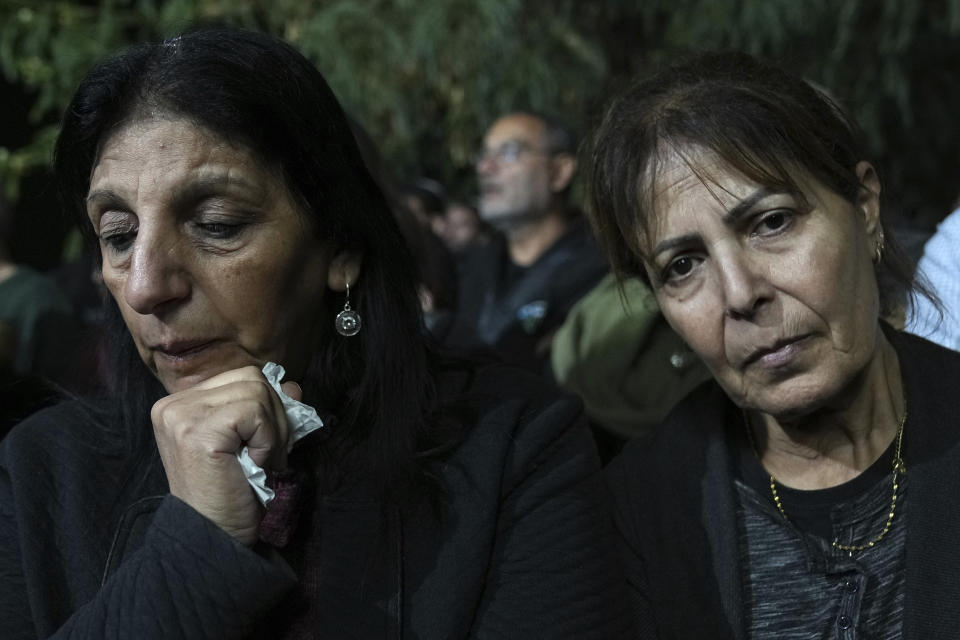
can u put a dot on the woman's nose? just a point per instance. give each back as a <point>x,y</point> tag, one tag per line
<point>746,286</point>
<point>157,279</point>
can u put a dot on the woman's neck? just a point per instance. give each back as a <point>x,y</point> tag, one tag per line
<point>839,441</point>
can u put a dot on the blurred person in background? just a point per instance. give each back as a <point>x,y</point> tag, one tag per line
<point>516,290</point>
<point>35,308</point>
<point>460,227</point>
<point>436,269</point>
<point>425,198</point>
<point>39,335</point>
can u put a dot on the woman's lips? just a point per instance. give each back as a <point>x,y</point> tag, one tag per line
<point>777,354</point>
<point>183,350</point>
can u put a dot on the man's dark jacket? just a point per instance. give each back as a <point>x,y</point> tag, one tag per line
<point>94,547</point>
<point>675,507</point>
<point>515,311</point>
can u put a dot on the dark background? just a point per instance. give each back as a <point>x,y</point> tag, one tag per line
<point>426,78</point>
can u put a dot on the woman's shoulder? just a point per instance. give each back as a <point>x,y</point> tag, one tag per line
<point>681,443</point>
<point>918,355</point>
<point>660,485</point>
<point>505,413</point>
<point>701,413</point>
<point>931,372</point>
<point>70,429</point>
<point>931,377</point>
<point>490,388</point>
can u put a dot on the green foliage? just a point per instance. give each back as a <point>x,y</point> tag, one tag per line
<point>426,78</point>
<point>890,62</point>
<point>433,75</point>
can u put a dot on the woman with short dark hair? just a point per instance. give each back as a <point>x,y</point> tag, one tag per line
<point>380,491</point>
<point>799,494</point>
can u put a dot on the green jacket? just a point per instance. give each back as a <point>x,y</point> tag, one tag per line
<point>617,352</point>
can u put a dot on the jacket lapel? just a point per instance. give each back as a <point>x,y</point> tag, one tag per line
<point>719,510</point>
<point>932,456</point>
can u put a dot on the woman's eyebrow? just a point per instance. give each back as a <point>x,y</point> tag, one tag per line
<point>199,187</point>
<point>210,184</point>
<point>731,218</point>
<point>744,206</point>
<point>104,198</point>
<point>677,241</point>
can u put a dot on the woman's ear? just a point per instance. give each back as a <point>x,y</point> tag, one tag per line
<point>868,197</point>
<point>344,270</point>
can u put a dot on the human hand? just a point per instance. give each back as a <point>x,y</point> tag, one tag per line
<point>199,432</point>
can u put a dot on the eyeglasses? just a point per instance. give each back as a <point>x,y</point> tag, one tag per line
<point>507,153</point>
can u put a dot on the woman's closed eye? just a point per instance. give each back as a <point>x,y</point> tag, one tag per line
<point>221,230</point>
<point>118,237</point>
<point>118,242</point>
<point>216,217</point>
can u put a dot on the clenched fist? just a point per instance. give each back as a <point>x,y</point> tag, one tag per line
<point>199,432</point>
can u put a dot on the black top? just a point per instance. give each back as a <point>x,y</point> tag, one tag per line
<point>810,511</point>
<point>93,546</point>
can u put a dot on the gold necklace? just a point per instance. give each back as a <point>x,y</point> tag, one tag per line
<point>899,468</point>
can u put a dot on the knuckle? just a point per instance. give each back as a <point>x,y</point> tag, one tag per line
<point>163,412</point>
<point>252,371</point>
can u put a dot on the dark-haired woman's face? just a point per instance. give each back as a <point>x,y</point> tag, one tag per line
<point>207,255</point>
<point>775,291</point>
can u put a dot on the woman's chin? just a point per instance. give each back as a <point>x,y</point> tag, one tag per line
<point>176,384</point>
<point>790,400</point>
<point>176,375</point>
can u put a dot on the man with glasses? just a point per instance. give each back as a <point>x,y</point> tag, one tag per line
<point>516,290</point>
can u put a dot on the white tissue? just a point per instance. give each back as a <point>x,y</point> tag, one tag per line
<point>301,420</point>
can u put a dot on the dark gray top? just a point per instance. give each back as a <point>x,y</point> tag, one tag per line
<point>676,510</point>
<point>797,585</point>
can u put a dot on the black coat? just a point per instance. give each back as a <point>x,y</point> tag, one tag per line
<point>515,311</point>
<point>675,506</point>
<point>523,548</point>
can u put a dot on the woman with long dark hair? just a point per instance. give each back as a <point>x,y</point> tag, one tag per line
<point>379,491</point>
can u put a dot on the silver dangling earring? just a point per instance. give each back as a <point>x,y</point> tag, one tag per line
<point>878,251</point>
<point>348,320</point>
